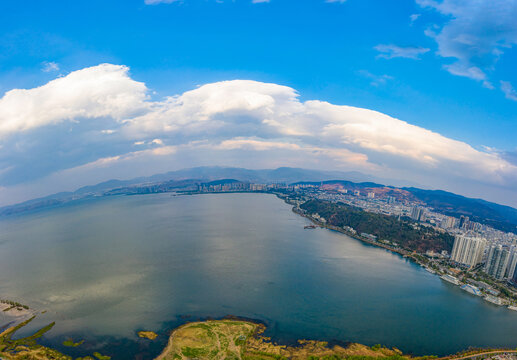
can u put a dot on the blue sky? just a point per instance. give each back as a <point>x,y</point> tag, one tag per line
<point>448,66</point>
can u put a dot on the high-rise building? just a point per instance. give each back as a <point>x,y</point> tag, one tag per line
<point>371,195</point>
<point>468,250</point>
<point>448,222</point>
<point>497,261</point>
<point>512,264</point>
<point>417,213</point>
<point>464,222</point>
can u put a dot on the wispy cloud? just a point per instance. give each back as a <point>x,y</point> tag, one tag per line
<point>376,80</point>
<point>155,2</point>
<point>336,1</point>
<point>393,51</point>
<point>474,33</point>
<point>508,90</point>
<point>259,1</point>
<point>413,18</point>
<point>50,66</point>
<point>471,72</point>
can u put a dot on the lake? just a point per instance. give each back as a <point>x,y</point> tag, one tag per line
<point>106,268</point>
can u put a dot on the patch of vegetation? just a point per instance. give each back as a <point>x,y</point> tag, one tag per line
<point>147,335</point>
<point>194,352</point>
<point>100,356</point>
<point>14,304</point>
<point>29,341</point>
<point>262,355</point>
<point>71,343</point>
<point>27,348</point>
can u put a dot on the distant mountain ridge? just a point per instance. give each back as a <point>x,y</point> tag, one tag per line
<point>498,216</point>
<point>281,174</point>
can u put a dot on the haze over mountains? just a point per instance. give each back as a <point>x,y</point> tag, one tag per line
<point>499,216</point>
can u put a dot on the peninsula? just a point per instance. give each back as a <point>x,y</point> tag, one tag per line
<point>243,340</point>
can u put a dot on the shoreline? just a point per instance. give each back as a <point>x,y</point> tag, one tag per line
<point>402,252</point>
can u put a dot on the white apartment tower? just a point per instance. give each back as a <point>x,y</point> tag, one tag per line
<point>468,250</point>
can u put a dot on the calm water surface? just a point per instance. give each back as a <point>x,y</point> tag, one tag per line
<point>106,268</point>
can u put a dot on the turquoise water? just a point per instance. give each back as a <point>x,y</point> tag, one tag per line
<point>106,268</point>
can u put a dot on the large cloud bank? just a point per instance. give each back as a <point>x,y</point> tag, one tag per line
<point>99,118</point>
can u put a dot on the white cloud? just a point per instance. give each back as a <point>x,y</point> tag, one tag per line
<point>336,1</point>
<point>508,90</point>
<point>259,1</point>
<point>340,155</point>
<point>376,80</point>
<point>255,144</point>
<point>99,91</point>
<point>475,34</point>
<point>155,2</point>
<point>413,18</point>
<point>393,51</point>
<point>273,112</point>
<point>242,121</point>
<point>49,66</point>
<point>471,72</point>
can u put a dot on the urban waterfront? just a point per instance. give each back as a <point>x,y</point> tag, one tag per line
<point>106,268</point>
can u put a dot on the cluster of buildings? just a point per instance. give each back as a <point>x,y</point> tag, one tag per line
<point>500,260</point>
<point>234,186</point>
<point>424,215</point>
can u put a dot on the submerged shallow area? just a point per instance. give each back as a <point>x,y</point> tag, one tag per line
<point>106,268</point>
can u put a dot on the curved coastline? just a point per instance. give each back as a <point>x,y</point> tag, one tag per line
<point>509,303</point>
